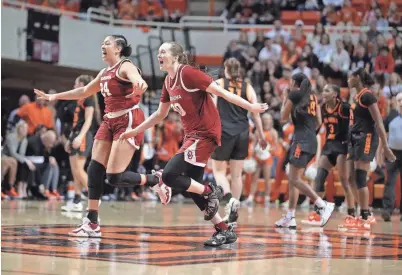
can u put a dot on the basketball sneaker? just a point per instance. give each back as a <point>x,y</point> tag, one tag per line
<point>371,219</point>
<point>286,222</point>
<point>164,192</point>
<point>313,219</point>
<point>86,230</point>
<point>231,210</point>
<point>73,207</point>
<point>221,237</point>
<point>213,199</point>
<point>348,222</point>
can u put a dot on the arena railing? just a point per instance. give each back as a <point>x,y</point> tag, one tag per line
<point>192,22</point>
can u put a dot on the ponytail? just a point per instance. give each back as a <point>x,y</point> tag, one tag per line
<point>232,66</point>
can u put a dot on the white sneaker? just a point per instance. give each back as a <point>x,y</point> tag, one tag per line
<point>87,230</point>
<point>285,222</point>
<point>231,210</point>
<point>73,207</point>
<point>326,212</point>
<point>164,192</point>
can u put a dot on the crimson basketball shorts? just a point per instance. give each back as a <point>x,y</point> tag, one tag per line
<point>363,146</point>
<point>85,146</point>
<point>112,128</point>
<point>197,150</point>
<point>297,157</point>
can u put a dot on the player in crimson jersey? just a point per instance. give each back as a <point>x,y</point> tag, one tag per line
<point>365,130</point>
<point>122,86</point>
<point>189,92</point>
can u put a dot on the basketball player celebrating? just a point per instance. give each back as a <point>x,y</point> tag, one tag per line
<point>121,85</point>
<point>335,115</point>
<point>366,126</point>
<point>188,91</point>
<point>305,112</point>
<point>235,137</point>
<point>79,144</point>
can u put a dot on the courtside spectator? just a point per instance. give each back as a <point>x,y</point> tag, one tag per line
<point>16,147</point>
<point>323,49</point>
<point>36,114</point>
<point>47,171</point>
<point>24,99</point>
<point>150,10</point>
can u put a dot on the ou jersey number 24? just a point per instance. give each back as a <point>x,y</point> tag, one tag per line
<point>104,89</point>
<point>177,108</point>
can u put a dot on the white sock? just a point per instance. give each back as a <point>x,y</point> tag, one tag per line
<point>320,203</point>
<point>250,198</point>
<point>291,213</point>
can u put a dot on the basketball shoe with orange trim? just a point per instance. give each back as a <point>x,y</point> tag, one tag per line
<point>320,216</point>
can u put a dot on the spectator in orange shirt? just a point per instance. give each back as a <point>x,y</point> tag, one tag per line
<point>290,55</point>
<point>384,62</point>
<point>284,82</point>
<point>299,37</point>
<point>36,114</point>
<point>169,134</point>
<point>347,14</point>
<point>127,10</point>
<point>151,10</point>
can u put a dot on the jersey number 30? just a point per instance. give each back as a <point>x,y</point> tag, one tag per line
<point>105,90</point>
<point>177,108</point>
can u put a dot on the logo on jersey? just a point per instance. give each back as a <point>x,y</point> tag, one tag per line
<point>190,154</point>
<point>175,97</point>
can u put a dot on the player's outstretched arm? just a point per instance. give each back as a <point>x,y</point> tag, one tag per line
<point>252,98</point>
<point>75,94</point>
<point>152,120</point>
<point>217,90</point>
<point>285,110</point>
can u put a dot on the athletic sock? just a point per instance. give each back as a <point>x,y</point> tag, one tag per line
<point>77,198</point>
<point>93,216</point>
<point>207,190</point>
<point>365,213</point>
<point>222,226</point>
<point>320,203</point>
<point>351,212</point>
<point>291,213</point>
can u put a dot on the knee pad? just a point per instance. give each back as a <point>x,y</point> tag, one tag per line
<point>361,178</point>
<point>115,179</point>
<point>168,177</point>
<point>320,179</point>
<point>96,176</point>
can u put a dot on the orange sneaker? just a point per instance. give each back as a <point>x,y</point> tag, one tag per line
<point>348,222</point>
<point>359,224</point>
<point>134,197</point>
<point>4,196</point>
<point>371,219</point>
<point>49,194</point>
<point>12,193</point>
<point>313,219</point>
<point>56,195</point>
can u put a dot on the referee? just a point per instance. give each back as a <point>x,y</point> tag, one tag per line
<point>393,126</point>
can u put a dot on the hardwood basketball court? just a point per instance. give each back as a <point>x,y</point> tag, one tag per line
<point>146,238</point>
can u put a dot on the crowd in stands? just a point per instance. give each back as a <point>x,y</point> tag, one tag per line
<point>147,10</point>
